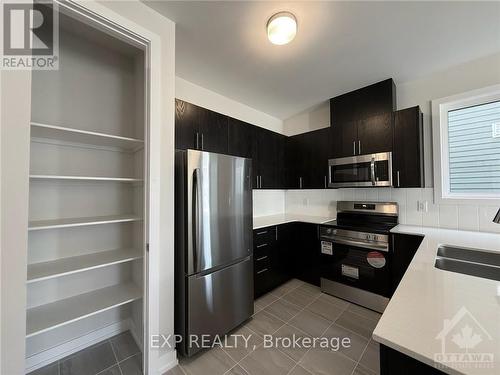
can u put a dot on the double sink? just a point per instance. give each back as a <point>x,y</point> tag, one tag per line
<point>474,262</point>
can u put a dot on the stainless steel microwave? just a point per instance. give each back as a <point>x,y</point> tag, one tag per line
<point>361,171</point>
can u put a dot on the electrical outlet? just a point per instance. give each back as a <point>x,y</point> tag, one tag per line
<point>423,206</point>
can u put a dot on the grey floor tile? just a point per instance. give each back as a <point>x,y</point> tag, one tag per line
<point>237,370</point>
<point>325,309</point>
<point>283,310</point>
<point>267,362</point>
<point>299,297</point>
<point>334,300</point>
<point>320,362</point>
<point>299,370</point>
<point>213,362</point>
<point>256,308</point>
<point>124,346</point>
<point>238,347</point>
<point>52,369</point>
<point>357,323</point>
<point>360,370</point>
<point>177,370</point>
<point>310,289</point>
<point>364,312</point>
<point>371,357</point>
<point>356,345</point>
<point>132,365</point>
<point>283,338</point>
<point>114,370</point>
<point>265,300</point>
<point>89,361</point>
<point>310,323</point>
<point>291,284</point>
<point>264,323</point>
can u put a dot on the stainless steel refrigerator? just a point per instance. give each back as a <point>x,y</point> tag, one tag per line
<point>213,240</point>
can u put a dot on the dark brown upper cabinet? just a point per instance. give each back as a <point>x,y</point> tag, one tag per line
<point>408,149</point>
<point>199,128</point>
<point>307,160</point>
<point>375,134</point>
<point>361,120</point>
<point>264,147</point>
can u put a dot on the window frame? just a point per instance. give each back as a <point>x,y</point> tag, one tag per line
<point>440,109</point>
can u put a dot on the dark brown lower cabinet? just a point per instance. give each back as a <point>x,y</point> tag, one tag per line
<point>271,267</point>
<point>285,251</point>
<point>393,362</point>
<point>403,247</point>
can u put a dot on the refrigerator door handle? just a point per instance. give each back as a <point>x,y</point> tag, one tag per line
<point>196,220</point>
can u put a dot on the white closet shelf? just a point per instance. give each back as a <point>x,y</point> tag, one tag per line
<point>83,178</point>
<point>80,221</point>
<point>66,266</point>
<point>70,135</point>
<point>56,314</point>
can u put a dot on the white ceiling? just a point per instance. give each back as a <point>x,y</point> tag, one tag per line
<point>340,46</point>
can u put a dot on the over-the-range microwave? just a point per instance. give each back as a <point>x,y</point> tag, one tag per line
<point>361,171</point>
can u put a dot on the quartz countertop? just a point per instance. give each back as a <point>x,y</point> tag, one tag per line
<point>267,221</point>
<point>427,296</point>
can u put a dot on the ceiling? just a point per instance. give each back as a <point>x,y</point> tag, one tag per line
<point>340,46</point>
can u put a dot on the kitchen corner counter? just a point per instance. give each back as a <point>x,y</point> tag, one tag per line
<point>428,296</point>
<point>267,221</point>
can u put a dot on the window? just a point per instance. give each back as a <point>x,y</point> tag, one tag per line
<point>466,132</point>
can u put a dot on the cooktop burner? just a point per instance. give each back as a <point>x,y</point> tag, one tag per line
<point>365,217</point>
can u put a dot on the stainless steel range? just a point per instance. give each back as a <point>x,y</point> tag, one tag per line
<point>356,254</point>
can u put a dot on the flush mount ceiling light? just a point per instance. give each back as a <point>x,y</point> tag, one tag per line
<point>281,28</point>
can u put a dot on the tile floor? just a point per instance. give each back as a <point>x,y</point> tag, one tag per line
<point>301,309</point>
<point>118,355</point>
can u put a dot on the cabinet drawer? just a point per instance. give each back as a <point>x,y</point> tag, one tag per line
<point>264,236</point>
<point>261,262</point>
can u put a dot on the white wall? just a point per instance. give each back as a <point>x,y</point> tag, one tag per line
<point>205,98</point>
<point>454,80</point>
<point>459,216</point>
<point>464,215</point>
<point>163,162</point>
<point>15,117</point>
<point>268,202</point>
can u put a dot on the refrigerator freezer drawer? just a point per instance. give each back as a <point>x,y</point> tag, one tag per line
<point>219,301</point>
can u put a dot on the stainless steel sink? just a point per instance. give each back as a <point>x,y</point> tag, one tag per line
<point>474,262</point>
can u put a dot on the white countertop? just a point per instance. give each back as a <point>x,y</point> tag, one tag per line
<point>427,296</point>
<point>266,221</point>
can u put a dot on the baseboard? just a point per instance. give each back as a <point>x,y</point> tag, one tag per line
<point>167,361</point>
<point>135,335</point>
<point>53,354</point>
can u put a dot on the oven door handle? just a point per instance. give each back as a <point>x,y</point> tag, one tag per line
<point>373,246</point>
<point>372,171</point>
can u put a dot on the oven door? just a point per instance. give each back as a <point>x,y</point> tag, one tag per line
<point>358,267</point>
<point>361,171</point>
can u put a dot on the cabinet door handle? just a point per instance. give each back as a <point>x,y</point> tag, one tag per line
<point>260,183</point>
<point>202,142</point>
<point>197,141</point>
<point>325,182</point>
<point>354,147</point>
<point>359,144</point>
<point>257,181</point>
<point>261,233</point>
<point>300,182</point>
<point>261,271</point>
<point>262,258</point>
<point>261,245</point>
<point>397,174</point>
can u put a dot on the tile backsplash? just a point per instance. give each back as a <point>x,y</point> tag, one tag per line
<point>416,206</point>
